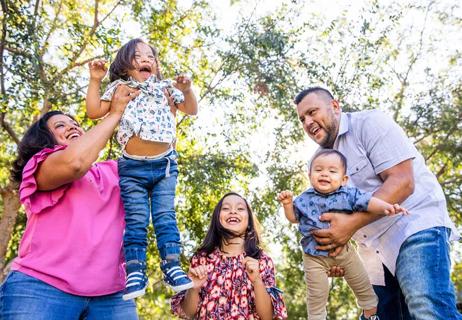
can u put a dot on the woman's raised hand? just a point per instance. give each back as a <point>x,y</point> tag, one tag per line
<point>122,97</point>
<point>198,275</point>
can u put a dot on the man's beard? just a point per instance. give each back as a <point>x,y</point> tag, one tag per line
<point>331,133</point>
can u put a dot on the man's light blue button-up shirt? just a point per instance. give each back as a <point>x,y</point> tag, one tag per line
<point>372,143</point>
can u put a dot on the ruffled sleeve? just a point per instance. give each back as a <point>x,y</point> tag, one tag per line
<point>176,94</point>
<point>36,201</point>
<point>267,275</point>
<point>107,96</point>
<point>178,298</point>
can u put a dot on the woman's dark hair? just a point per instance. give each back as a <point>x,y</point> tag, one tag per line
<point>124,60</point>
<point>217,234</point>
<point>36,138</point>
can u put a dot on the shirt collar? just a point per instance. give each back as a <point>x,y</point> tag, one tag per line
<point>152,78</point>
<point>314,191</point>
<point>343,128</point>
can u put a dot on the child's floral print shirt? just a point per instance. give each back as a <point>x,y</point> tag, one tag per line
<point>148,116</point>
<point>228,293</point>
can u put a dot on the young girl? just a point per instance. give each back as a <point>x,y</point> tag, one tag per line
<point>148,168</point>
<point>233,278</point>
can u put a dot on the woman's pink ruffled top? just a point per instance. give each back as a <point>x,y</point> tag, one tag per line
<point>73,237</point>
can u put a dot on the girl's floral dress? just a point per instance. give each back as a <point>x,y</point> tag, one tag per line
<point>228,292</point>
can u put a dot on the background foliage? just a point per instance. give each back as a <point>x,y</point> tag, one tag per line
<point>398,56</point>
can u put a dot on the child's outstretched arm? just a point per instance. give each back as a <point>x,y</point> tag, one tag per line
<point>378,206</point>
<point>285,198</point>
<point>95,107</point>
<point>189,106</point>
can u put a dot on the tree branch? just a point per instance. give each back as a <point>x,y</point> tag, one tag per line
<point>436,149</point>
<point>37,3</point>
<point>18,51</point>
<point>3,123</point>
<point>52,28</point>
<point>6,126</point>
<point>83,62</point>
<point>110,12</point>
<point>10,212</point>
<point>404,82</point>
<point>72,64</point>
<point>2,49</point>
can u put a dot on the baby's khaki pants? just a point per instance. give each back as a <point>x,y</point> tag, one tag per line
<point>317,282</point>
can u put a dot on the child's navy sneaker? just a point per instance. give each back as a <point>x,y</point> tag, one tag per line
<point>137,281</point>
<point>175,277</point>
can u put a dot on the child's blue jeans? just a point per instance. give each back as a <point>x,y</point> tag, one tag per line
<point>148,190</point>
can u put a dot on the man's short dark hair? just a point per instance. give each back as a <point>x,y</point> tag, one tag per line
<point>326,152</point>
<point>318,90</point>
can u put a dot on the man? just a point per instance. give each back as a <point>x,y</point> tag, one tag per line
<point>406,256</point>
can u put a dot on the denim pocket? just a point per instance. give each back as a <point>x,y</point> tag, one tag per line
<point>6,279</point>
<point>2,287</point>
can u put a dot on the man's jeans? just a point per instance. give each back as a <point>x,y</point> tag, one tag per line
<point>391,299</point>
<point>423,275</point>
<point>148,189</point>
<point>23,297</point>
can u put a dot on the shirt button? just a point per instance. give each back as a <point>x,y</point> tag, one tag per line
<point>377,251</point>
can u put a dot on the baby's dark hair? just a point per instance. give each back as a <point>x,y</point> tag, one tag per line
<point>124,60</point>
<point>326,152</point>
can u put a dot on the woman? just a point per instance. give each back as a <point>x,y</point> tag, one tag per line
<point>233,278</point>
<point>69,264</point>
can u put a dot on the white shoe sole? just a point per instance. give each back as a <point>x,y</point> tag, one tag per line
<point>182,287</point>
<point>134,294</point>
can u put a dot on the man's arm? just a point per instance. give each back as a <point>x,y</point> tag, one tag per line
<point>398,184</point>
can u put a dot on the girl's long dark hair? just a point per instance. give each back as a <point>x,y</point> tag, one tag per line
<point>123,61</point>
<point>217,234</point>
<point>36,138</point>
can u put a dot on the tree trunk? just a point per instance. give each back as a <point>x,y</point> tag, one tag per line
<point>10,212</point>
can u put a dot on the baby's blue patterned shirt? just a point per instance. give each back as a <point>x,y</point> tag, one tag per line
<point>310,204</point>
